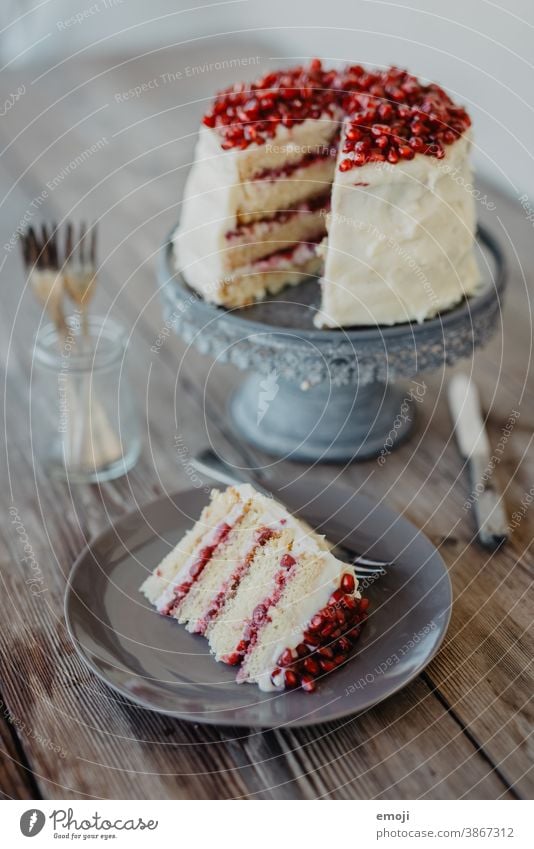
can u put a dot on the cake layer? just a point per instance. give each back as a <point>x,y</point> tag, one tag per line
<point>182,569</point>
<point>162,580</point>
<point>227,632</point>
<point>310,180</point>
<point>268,276</point>
<point>255,241</point>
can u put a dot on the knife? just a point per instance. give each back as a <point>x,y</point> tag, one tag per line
<point>473,443</point>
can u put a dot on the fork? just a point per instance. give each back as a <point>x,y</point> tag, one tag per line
<point>79,270</point>
<point>90,440</point>
<point>42,262</point>
<point>210,465</point>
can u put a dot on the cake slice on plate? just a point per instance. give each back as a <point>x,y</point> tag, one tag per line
<point>263,588</point>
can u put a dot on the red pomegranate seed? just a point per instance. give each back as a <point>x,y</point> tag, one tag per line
<point>308,683</point>
<point>286,658</point>
<point>348,584</point>
<point>290,678</point>
<point>301,650</point>
<point>345,165</point>
<point>327,665</point>
<point>354,134</point>
<point>336,596</point>
<point>327,631</point>
<point>317,622</point>
<point>364,604</point>
<point>311,666</point>
<point>350,603</point>
<point>326,652</point>
<point>233,659</point>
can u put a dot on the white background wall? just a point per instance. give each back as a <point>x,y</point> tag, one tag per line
<point>481,51</point>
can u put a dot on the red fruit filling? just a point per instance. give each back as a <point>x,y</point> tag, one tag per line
<point>305,162</point>
<point>260,614</point>
<point>281,216</point>
<point>204,556</point>
<point>229,587</point>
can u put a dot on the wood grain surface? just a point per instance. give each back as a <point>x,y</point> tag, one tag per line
<point>462,729</point>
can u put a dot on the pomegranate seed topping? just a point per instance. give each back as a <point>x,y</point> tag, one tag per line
<point>405,151</point>
<point>290,678</point>
<point>301,650</point>
<point>364,604</point>
<point>286,658</point>
<point>317,622</point>
<point>354,134</point>
<point>336,596</point>
<point>307,683</point>
<point>326,652</point>
<point>327,631</point>
<point>233,659</point>
<point>383,103</point>
<point>312,666</point>
<point>327,665</point>
<point>348,584</point>
<point>345,165</point>
<point>350,603</point>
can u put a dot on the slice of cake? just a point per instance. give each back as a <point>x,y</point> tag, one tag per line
<point>264,589</point>
<point>269,166</point>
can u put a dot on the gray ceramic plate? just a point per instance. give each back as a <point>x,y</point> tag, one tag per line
<point>154,662</point>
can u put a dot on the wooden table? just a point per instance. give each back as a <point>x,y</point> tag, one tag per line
<point>462,729</point>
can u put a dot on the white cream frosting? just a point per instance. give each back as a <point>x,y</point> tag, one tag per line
<point>400,240</point>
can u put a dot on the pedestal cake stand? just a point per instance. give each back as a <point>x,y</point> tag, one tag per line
<point>330,395</point>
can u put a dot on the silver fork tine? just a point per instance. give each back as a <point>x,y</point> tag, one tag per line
<point>68,242</point>
<point>82,243</point>
<point>54,253</point>
<point>93,246</point>
<point>25,248</point>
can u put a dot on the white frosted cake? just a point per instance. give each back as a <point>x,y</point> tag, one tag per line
<point>264,589</point>
<point>360,176</point>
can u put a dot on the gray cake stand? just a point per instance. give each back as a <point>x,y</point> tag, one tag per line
<point>329,395</point>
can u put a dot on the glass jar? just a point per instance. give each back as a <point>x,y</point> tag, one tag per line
<point>84,425</point>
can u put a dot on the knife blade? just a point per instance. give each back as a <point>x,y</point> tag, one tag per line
<point>474,446</point>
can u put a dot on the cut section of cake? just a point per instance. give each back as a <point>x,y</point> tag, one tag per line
<point>264,163</point>
<point>264,589</point>
<point>377,158</point>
